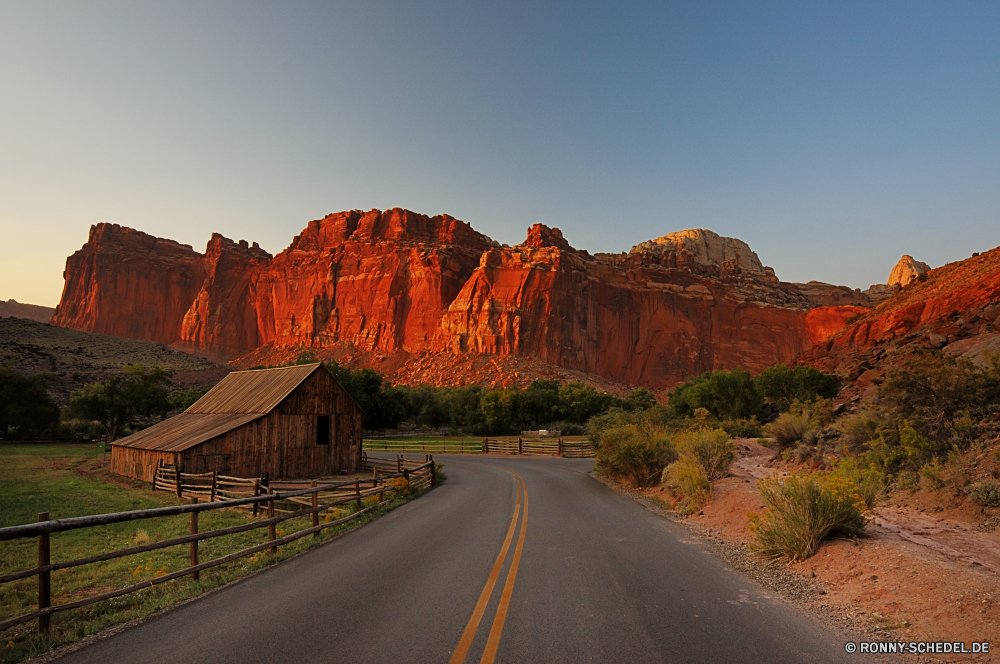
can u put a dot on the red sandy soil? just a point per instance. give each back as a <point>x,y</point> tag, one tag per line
<point>921,575</point>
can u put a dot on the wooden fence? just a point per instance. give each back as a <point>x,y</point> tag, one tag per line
<point>461,446</point>
<point>418,475</point>
<point>580,449</point>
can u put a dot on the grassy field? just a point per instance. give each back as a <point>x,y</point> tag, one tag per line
<point>72,480</point>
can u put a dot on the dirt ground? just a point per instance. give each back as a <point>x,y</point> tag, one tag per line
<point>925,573</point>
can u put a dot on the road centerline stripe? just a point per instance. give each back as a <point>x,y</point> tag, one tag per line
<point>493,642</point>
<point>458,657</point>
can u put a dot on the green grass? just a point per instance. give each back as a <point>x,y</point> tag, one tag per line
<point>70,480</point>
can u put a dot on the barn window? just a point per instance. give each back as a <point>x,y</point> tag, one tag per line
<point>323,430</point>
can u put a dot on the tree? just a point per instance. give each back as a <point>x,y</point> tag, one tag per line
<point>25,402</point>
<point>120,400</point>
<point>783,385</point>
<point>725,394</point>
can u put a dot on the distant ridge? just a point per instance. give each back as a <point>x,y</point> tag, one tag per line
<point>30,311</point>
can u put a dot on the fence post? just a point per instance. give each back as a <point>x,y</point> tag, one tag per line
<point>430,457</point>
<point>520,446</point>
<point>256,492</point>
<point>215,485</point>
<point>271,529</point>
<point>194,544</point>
<point>177,477</point>
<point>560,447</point>
<point>485,449</point>
<point>399,463</point>
<point>315,502</point>
<point>357,494</point>
<point>44,580</point>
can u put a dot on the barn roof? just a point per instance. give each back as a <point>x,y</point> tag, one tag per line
<point>257,391</point>
<point>240,397</point>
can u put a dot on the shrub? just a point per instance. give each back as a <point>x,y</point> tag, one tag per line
<point>871,485</point>
<point>711,448</point>
<point>984,492</point>
<point>635,446</point>
<point>783,385</point>
<point>802,511</point>
<point>687,477</point>
<point>724,394</point>
<point>788,430</point>
<point>743,428</point>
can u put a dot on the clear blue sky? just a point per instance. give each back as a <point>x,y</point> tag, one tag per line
<point>832,137</point>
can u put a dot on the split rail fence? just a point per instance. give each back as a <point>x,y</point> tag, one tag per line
<point>312,499</point>
<point>580,449</point>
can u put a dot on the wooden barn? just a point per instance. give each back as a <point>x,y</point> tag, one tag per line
<point>278,423</point>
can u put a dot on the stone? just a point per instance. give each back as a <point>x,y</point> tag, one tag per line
<point>906,271</point>
<point>421,298</point>
<point>937,340</point>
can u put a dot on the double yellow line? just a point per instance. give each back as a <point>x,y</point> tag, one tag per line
<point>490,652</point>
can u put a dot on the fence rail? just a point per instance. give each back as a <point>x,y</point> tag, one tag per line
<point>417,475</point>
<point>580,449</point>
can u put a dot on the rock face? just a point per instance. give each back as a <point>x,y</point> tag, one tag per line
<point>401,290</point>
<point>907,270</point>
<point>957,309</point>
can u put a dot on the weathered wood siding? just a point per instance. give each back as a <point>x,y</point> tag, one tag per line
<point>138,463</point>
<point>280,444</point>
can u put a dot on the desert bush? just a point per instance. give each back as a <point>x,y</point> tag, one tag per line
<point>870,484</point>
<point>788,430</point>
<point>743,428</point>
<point>634,446</point>
<point>687,478</point>
<point>711,448</point>
<point>802,511</point>
<point>984,492</point>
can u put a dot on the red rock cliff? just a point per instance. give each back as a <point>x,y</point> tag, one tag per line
<point>398,284</point>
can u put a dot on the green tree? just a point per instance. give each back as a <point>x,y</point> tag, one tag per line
<point>120,400</point>
<point>25,402</point>
<point>783,385</point>
<point>725,394</point>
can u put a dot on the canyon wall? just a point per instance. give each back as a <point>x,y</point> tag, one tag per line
<point>398,285</point>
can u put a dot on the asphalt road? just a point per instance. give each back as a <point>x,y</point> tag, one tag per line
<point>595,577</point>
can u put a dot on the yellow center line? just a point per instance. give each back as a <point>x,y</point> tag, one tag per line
<point>490,653</point>
<point>477,614</point>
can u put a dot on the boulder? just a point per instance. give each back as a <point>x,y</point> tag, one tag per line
<point>907,270</point>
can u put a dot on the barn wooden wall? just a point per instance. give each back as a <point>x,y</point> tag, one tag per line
<point>138,463</point>
<point>280,444</point>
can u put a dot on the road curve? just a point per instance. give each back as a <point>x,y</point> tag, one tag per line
<point>585,575</point>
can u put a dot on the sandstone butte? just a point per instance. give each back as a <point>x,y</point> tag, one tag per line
<point>419,296</point>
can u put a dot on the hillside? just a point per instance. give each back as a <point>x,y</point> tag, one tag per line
<point>421,297</point>
<point>30,311</point>
<point>954,308</point>
<point>77,358</point>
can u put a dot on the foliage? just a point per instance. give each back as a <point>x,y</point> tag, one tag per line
<point>783,385</point>
<point>871,485</point>
<point>985,492</point>
<point>743,428</point>
<point>25,403</point>
<point>634,446</point>
<point>734,395</point>
<point>788,430</point>
<point>724,394</point>
<point>688,478</point>
<point>184,399</point>
<point>120,400</point>
<point>802,511</point>
<point>711,448</point>
<point>929,407</point>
